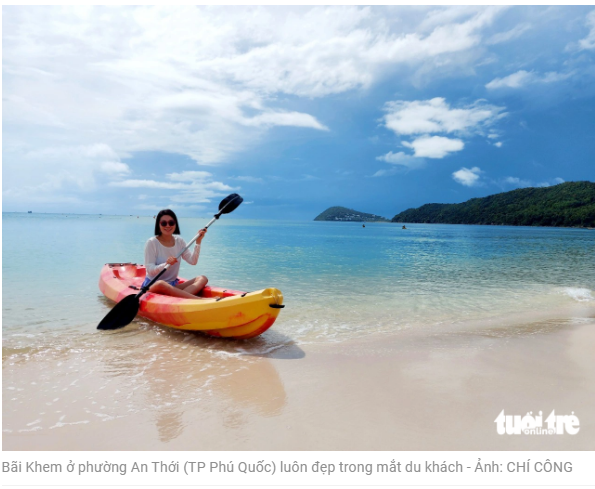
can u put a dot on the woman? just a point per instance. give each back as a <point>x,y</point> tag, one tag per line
<point>163,248</point>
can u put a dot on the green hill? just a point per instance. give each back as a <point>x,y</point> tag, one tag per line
<point>569,204</point>
<point>344,214</point>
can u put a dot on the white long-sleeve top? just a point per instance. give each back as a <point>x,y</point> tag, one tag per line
<point>156,256</point>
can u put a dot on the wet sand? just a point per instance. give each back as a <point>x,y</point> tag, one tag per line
<point>426,390</point>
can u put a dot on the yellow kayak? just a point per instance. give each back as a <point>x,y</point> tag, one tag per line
<point>216,311</point>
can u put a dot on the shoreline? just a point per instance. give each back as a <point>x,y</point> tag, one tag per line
<point>412,391</point>
<point>458,224</point>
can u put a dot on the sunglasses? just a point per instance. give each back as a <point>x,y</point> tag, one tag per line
<point>168,223</point>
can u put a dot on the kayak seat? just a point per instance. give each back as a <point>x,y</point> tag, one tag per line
<point>127,272</point>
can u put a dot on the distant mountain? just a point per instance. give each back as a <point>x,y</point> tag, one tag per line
<point>344,214</point>
<point>570,204</point>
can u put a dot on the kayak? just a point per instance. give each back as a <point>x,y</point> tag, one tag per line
<point>216,311</point>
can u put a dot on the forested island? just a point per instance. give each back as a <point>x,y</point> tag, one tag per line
<point>570,204</point>
<point>344,214</point>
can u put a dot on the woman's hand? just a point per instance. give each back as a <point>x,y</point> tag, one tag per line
<point>201,235</point>
<point>171,260</point>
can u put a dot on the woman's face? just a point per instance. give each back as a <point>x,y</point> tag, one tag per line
<point>167,224</point>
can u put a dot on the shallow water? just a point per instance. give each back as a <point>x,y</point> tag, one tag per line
<point>338,279</point>
<point>341,283</point>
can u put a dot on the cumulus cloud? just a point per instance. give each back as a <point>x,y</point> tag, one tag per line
<point>467,177</point>
<point>434,146</point>
<point>425,118</point>
<point>179,76</point>
<point>523,78</point>
<point>437,116</point>
<point>197,81</point>
<point>344,48</point>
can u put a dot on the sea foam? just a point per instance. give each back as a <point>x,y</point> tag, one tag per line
<point>579,294</point>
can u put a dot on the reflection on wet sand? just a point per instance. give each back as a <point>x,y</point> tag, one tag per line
<point>178,369</point>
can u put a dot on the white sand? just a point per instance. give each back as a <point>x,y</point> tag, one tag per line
<point>412,391</point>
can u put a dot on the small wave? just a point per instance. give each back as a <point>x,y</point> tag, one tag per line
<point>578,294</point>
<point>260,351</point>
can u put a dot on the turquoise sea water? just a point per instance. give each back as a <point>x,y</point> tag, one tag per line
<point>339,280</point>
<point>342,284</point>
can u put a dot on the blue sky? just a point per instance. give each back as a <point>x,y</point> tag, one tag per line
<point>127,110</point>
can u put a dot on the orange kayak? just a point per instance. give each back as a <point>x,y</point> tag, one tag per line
<point>216,311</point>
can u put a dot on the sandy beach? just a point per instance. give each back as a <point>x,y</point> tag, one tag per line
<point>413,186</point>
<point>422,390</point>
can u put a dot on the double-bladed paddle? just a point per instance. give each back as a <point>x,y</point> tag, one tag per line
<point>124,311</point>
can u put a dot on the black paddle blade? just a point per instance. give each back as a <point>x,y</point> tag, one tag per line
<point>122,314</point>
<point>230,203</point>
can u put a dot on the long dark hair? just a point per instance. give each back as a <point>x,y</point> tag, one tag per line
<point>166,212</point>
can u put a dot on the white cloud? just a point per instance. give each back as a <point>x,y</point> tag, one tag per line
<point>191,186</point>
<point>438,16</point>
<point>402,159</point>
<point>498,144</point>
<point>385,173</point>
<point>555,181</point>
<point>114,168</point>
<point>189,176</point>
<point>523,78</point>
<point>516,80</point>
<point>509,35</point>
<point>423,118</point>
<point>198,81</point>
<point>148,184</point>
<point>553,77</point>
<point>344,48</point>
<point>437,116</point>
<point>60,173</point>
<point>589,41</point>
<point>517,182</point>
<point>520,183</point>
<point>434,146</point>
<point>467,177</point>
<point>178,207</point>
<point>399,161</point>
<point>295,119</point>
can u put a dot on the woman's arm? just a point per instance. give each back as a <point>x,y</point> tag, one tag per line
<point>191,256</point>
